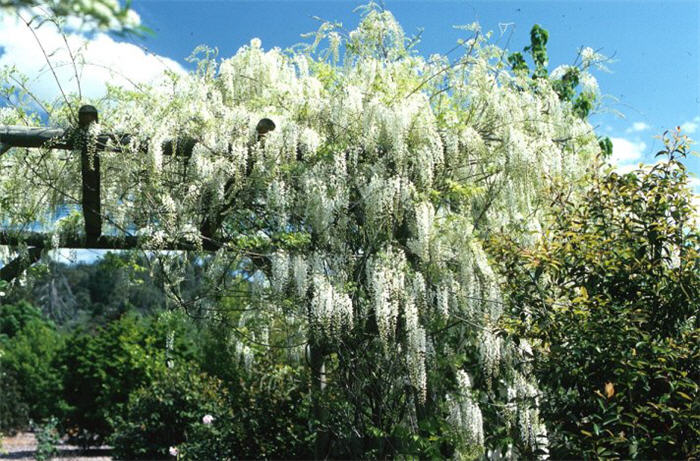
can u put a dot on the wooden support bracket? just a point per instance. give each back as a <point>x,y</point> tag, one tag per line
<point>14,268</point>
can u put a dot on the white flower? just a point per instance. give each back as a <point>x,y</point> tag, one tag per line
<point>173,451</point>
<point>560,71</point>
<point>207,419</point>
<point>330,307</point>
<point>464,412</point>
<point>589,82</point>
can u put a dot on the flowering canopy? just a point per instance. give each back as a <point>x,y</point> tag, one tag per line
<point>362,209</point>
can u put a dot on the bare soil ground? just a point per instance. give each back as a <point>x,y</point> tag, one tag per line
<point>23,445</point>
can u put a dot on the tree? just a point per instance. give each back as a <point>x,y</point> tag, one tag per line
<point>355,223</point>
<point>608,297</point>
<point>28,368</point>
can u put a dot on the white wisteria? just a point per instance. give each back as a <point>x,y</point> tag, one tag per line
<point>360,212</point>
<point>465,414</point>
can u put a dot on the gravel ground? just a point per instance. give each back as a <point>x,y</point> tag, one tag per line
<point>22,446</point>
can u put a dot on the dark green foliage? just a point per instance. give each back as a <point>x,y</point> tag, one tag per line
<point>517,62</point>
<point>366,419</point>
<point>538,50</point>
<point>14,411</point>
<point>365,416</point>
<point>15,317</point>
<point>583,104</point>
<point>261,412</point>
<point>31,372</point>
<point>566,86</point>
<point>271,400</point>
<point>30,382</point>
<point>272,413</point>
<point>104,368</point>
<point>169,412</point>
<point>611,295</point>
<point>605,147</point>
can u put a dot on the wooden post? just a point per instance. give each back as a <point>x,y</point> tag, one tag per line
<point>90,161</point>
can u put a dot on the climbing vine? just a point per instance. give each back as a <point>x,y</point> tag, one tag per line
<point>355,216</point>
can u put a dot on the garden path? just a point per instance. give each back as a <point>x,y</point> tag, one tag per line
<point>21,447</point>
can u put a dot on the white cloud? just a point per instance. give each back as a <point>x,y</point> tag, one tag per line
<point>694,182</point>
<point>637,127</point>
<point>692,126</point>
<point>100,59</point>
<point>624,169</point>
<point>626,151</point>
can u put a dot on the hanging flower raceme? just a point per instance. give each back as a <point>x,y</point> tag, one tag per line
<point>465,414</point>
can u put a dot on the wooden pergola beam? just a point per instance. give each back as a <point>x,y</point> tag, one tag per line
<point>37,242</point>
<point>59,138</point>
<point>21,136</point>
<point>103,242</point>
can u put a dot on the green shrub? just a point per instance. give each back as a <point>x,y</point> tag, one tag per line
<point>30,371</point>
<point>261,412</point>
<point>102,370</point>
<point>169,413</point>
<point>271,398</point>
<point>47,438</point>
<point>14,411</point>
<point>610,298</point>
<point>30,379</point>
<point>272,412</point>
<point>15,317</point>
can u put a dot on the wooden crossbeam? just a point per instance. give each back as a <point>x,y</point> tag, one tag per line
<point>104,242</point>
<point>20,136</point>
<point>37,242</point>
<point>58,138</point>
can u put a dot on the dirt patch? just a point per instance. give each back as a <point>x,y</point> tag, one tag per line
<point>23,445</point>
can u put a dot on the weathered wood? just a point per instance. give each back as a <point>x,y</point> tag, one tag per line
<point>58,138</point>
<point>104,242</point>
<point>21,136</point>
<point>90,166</point>
<point>14,268</point>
